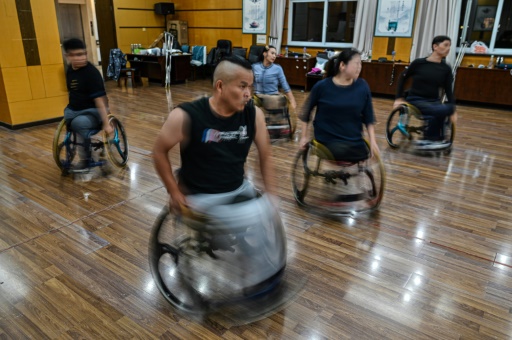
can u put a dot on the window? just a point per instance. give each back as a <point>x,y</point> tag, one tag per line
<point>488,21</point>
<point>326,23</point>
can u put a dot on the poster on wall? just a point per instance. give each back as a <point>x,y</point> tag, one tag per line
<point>254,16</point>
<point>394,18</point>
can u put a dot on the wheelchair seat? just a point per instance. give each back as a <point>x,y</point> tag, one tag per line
<point>335,186</point>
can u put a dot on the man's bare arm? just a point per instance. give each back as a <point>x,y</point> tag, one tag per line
<point>262,142</point>
<point>170,135</point>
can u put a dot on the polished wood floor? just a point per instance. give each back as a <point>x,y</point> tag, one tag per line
<point>435,262</point>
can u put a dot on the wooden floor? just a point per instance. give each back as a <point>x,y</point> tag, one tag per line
<point>434,262</point>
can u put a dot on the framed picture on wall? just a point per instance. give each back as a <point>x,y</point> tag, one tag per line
<point>254,16</point>
<point>484,18</point>
<point>395,18</point>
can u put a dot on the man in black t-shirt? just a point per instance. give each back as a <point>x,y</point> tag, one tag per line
<point>87,110</point>
<point>215,135</point>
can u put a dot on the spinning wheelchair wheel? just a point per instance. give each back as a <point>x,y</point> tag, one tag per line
<point>117,144</point>
<point>334,187</point>
<point>449,136</point>
<point>64,147</point>
<point>397,127</point>
<point>165,261</point>
<point>300,176</point>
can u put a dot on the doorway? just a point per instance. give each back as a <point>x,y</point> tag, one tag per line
<point>77,19</point>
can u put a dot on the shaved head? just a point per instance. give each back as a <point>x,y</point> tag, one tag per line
<point>228,68</point>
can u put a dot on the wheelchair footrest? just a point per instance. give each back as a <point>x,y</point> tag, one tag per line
<point>277,127</point>
<point>349,198</point>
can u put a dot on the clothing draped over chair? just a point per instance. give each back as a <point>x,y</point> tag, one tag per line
<point>117,61</point>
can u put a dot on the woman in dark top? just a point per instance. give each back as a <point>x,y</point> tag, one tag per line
<point>430,77</point>
<point>343,104</point>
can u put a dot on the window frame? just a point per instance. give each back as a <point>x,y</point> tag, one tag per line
<point>322,43</point>
<point>494,34</point>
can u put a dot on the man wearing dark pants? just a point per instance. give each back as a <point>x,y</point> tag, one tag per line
<point>87,110</point>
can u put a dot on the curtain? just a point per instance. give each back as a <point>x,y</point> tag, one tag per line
<point>365,25</point>
<point>277,24</point>
<point>435,17</point>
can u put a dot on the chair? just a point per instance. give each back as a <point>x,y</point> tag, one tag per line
<point>198,60</point>
<point>65,144</point>
<point>223,49</point>
<point>242,241</point>
<point>117,68</point>
<point>254,53</point>
<point>322,183</point>
<point>240,52</point>
<point>406,125</point>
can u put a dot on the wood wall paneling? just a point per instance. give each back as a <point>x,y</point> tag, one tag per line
<point>35,75</point>
<point>5,116</point>
<point>5,112</point>
<point>47,31</point>
<point>213,19</point>
<point>54,80</point>
<point>184,5</point>
<point>17,84</point>
<point>11,53</point>
<point>37,110</point>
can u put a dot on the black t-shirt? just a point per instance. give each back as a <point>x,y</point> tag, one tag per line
<point>84,85</point>
<point>213,158</point>
<point>428,78</point>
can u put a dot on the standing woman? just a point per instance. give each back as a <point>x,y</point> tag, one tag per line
<point>430,77</point>
<point>269,77</point>
<point>343,105</point>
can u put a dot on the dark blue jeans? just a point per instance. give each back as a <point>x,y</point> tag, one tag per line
<point>435,113</point>
<point>84,123</point>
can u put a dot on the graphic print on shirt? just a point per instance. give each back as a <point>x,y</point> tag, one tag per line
<point>215,136</point>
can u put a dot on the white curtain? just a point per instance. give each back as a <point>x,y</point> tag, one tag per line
<point>277,23</point>
<point>365,25</point>
<point>435,17</point>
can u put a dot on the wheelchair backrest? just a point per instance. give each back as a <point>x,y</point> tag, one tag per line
<point>272,101</point>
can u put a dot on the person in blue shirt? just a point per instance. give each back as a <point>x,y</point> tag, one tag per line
<point>343,105</point>
<point>269,77</point>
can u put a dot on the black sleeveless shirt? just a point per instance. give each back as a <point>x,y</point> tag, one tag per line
<point>213,158</point>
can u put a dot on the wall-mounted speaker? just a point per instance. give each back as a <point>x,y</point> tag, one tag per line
<point>164,8</point>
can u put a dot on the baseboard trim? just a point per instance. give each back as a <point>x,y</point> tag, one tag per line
<point>31,124</point>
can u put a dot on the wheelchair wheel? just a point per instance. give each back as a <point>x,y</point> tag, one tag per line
<point>166,258</point>
<point>64,147</point>
<point>203,262</point>
<point>337,188</point>
<point>300,176</point>
<point>449,136</point>
<point>397,127</point>
<point>117,144</point>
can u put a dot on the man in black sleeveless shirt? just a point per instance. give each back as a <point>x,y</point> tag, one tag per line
<point>215,134</point>
<point>87,109</point>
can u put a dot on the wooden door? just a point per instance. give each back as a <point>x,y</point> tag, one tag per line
<point>106,31</point>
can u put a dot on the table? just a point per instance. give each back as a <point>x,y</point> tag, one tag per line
<point>153,67</point>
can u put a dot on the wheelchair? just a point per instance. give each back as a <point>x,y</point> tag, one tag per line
<point>203,262</point>
<point>406,126</point>
<point>65,144</point>
<point>334,187</point>
<point>277,115</point>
